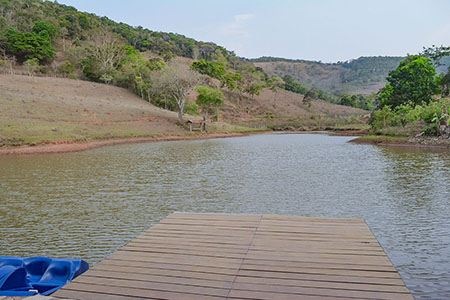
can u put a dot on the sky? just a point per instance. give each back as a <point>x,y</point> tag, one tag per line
<point>321,30</point>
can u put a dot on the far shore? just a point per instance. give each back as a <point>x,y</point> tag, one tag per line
<point>52,147</point>
<point>76,146</point>
<point>402,142</point>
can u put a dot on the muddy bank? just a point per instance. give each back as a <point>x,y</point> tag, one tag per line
<point>74,146</point>
<point>436,143</point>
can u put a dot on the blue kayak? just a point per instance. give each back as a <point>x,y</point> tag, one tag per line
<point>27,276</point>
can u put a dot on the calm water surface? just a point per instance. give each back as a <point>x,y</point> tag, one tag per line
<point>88,204</point>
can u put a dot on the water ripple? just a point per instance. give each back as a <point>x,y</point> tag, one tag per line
<point>88,204</point>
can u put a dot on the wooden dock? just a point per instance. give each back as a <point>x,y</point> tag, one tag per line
<point>219,256</point>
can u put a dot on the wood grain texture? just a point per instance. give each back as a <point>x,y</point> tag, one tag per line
<point>222,256</point>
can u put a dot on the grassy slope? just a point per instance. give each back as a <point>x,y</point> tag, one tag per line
<point>57,109</point>
<point>282,105</point>
<point>37,109</point>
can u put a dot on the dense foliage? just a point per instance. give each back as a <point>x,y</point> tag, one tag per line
<point>410,102</point>
<point>213,69</point>
<point>413,81</point>
<point>34,44</point>
<point>360,101</point>
<point>294,86</point>
<point>429,119</point>
<point>208,99</point>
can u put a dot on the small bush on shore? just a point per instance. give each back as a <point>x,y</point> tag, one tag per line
<point>426,118</point>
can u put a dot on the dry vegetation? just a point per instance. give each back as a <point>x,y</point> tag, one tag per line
<point>322,76</point>
<point>43,109</point>
<point>35,109</point>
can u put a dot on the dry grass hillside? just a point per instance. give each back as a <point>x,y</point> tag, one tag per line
<point>323,76</point>
<point>363,75</point>
<point>279,105</point>
<point>40,109</point>
<point>35,109</point>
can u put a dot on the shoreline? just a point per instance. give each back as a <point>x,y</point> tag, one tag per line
<point>74,146</point>
<point>54,147</point>
<point>399,142</point>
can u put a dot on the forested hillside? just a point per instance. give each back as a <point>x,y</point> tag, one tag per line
<point>359,76</point>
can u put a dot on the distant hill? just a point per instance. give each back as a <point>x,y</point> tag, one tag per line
<point>363,75</point>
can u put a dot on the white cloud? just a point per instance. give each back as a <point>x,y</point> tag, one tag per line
<point>238,26</point>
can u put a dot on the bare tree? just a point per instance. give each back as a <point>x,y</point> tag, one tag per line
<point>107,48</point>
<point>7,62</point>
<point>64,32</point>
<point>176,83</point>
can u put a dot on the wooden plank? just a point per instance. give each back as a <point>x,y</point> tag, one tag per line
<point>82,295</point>
<point>179,259</point>
<point>323,284</point>
<point>209,282</point>
<point>315,294</point>
<point>324,257</point>
<point>320,271</point>
<point>322,277</point>
<point>323,250</point>
<point>238,224</point>
<point>205,227</point>
<point>197,256</point>
<point>197,252</point>
<point>320,264</point>
<point>193,272</point>
<point>183,241</point>
<point>278,296</point>
<point>312,219</point>
<point>321,291</point>
<point>211,237</point>
<point>206,216</point>
<point>132,292</point>
<point>166,267</point>
<point>191,246</point>
<point>220,256</point>
<point>151,286</point>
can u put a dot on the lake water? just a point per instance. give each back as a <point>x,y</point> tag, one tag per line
<point>88,204</point>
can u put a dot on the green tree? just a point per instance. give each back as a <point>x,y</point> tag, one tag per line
<point>213,69</point>
<point>29,45</point>
<point>348,100</point>
<point>253,89</point>
<point>40,27</point>
<point>208,99</point>
<point>293,86</point>
<point>230,80</point>
<point>413,81</point>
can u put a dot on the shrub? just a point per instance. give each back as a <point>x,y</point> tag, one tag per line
<point>191,108</point>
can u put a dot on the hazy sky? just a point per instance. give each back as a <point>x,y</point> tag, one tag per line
<point>327,30</point>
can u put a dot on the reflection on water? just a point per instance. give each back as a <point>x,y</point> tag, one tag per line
<point>88,204</point>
